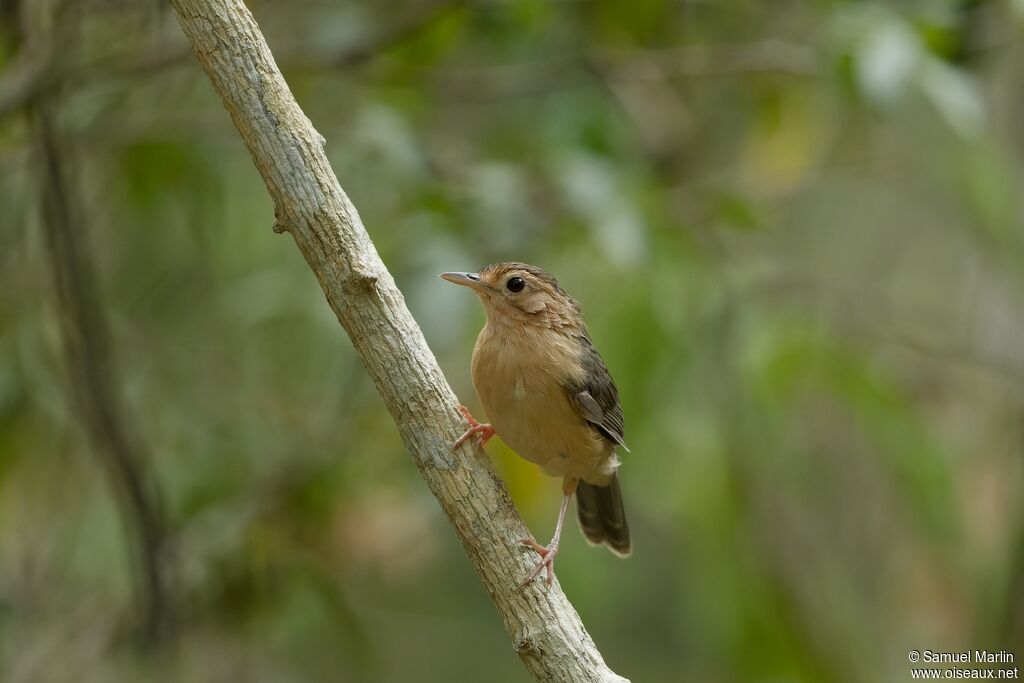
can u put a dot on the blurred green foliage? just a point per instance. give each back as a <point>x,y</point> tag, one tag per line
<point>797,233</point>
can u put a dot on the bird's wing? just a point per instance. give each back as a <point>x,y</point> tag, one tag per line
<point>595,397</point>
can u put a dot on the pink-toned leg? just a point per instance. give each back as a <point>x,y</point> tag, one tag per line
<point>482,432</point>
<point>549,552</point>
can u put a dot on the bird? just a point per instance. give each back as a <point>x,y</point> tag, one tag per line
<point>551,399</point>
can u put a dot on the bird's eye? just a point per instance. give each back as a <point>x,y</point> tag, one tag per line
<point>515,284</point>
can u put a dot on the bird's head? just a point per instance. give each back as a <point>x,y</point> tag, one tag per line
<point>520,293</point>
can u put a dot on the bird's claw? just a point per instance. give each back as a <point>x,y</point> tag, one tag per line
<point>547,561</point>
<point>481,432</point>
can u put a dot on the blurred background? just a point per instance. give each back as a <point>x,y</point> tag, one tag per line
<point>797,233</point>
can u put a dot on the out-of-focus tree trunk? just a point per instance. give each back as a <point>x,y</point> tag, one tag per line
<point>92,382</point>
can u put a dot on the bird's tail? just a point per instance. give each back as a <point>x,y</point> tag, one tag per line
<point>602,519</point>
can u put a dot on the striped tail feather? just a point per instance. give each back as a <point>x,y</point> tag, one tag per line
<point>601,516</point>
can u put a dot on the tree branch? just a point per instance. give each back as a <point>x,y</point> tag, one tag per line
<point>310,204</point>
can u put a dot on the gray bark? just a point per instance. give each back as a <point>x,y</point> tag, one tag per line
<point>309,204</point>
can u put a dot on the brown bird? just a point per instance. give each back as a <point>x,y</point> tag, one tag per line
<point>549,397</point>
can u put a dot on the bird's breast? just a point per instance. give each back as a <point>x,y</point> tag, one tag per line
<point>519,378</point>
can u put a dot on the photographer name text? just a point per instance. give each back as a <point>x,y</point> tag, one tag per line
<point>967,657</point>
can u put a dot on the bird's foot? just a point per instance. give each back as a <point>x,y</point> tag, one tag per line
<point>481,432</point>
<point>547,561</point>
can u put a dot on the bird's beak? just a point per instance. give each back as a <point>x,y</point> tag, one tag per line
<point>466,280</point>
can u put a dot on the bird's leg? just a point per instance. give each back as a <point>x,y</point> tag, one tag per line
<point>548,553</point>
<point>483,432</point>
